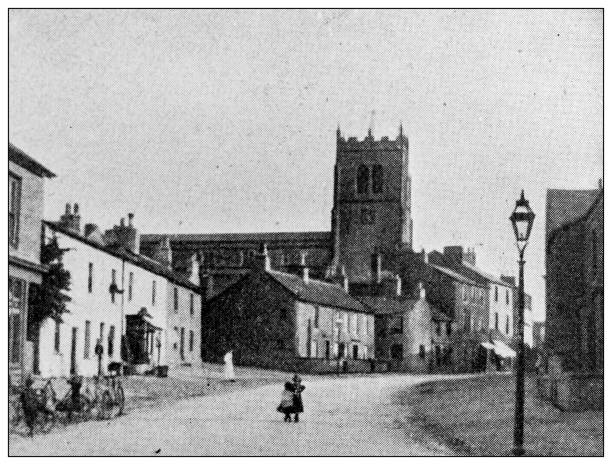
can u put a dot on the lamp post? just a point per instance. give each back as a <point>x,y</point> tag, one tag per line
<point>522,221</point>
<point>338,323</point>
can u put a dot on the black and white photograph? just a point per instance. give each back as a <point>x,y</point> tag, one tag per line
<point>305,232</point>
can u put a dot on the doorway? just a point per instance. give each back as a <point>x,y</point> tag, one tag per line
<point>73,351</point>
<point>355,351</point>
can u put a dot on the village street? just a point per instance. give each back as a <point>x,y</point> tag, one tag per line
<point>347,416</point>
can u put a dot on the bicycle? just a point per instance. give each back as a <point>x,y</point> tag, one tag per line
<point>109,397</point>
<point>42,413</point>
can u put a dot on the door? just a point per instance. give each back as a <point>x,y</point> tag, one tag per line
<point>73,352</point>
<point>355,351</point>
<point>327,349</point>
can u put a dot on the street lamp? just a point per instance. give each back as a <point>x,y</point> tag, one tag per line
<point>522,221</point>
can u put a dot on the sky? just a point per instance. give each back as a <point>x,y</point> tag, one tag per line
<point>225,121</point>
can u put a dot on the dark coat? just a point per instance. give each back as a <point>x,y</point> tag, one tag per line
<point>298,405</point>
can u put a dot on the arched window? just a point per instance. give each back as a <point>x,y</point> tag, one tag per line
<point>363,180</point>
<point>377,179</point>
<point>467,322</point>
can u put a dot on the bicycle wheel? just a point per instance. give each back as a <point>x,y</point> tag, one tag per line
<point>120,399</point>
<point>48,421</point>
<point>105,406</point>
<point>16,422</point>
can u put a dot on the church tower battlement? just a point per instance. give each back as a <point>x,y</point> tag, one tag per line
<point>372,202</point>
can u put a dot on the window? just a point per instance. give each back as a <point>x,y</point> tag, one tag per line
<point>101,332</point>
<point>190,341</point>
<point>467,323</point>
<point>111,341</point>
<point>316,316</point>
<point>497,321</point>
<point>14,208</point>
<point>496,296</point>
<point>449,328</point>
<point>507,324</point>
<point>368,216</point>
<point>56,340</point>
<point>130,285</point>
<point>191,305</point>
<point>113,284</point>
<point>465,292</point>
<point>175,299</point>
<point>346,327</point>
<point>507,296</point>
<point>90,278</point>
<point>397,324</point>
<point>363,180</point>
<point>438,328</point>
<point>87,341</point>
<point>377,179</point>
<point>422,351</point>
<point>153,292</point>
<point>327,349</point>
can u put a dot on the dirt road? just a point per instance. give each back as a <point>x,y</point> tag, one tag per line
<point>347,416</point>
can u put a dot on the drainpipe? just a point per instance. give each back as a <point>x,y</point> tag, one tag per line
<point>122,337</point>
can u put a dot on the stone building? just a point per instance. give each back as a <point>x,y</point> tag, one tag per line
<point>574,297</point>
<point>26,204</point>
<point>280,320</point>
<point>463,301</point>
<point>130,303</point>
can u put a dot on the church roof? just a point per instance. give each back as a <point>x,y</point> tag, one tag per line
<point>258,238</point>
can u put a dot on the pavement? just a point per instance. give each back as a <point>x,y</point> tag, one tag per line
<point>343,416</point>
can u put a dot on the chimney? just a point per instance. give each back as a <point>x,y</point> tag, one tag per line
<point>509,279</point>
<point>261,260</point>
<point>454,253</point>
<point>208,284</point>
<point>470,256</point>
<point>122,236</point>
<point>71,221</point>
<point>93,233</point>
<point>376,267</point>
<point>398,285</point>
<point>162,252</point>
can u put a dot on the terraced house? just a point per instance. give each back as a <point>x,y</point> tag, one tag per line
<point>142,313</point>
<point>280,320</point>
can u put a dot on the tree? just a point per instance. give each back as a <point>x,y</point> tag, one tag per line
<point>49,299</point>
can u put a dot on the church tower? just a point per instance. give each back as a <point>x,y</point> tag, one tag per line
<point>371,217</point>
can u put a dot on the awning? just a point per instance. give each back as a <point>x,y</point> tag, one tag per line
<point>503,350</point>
<point>487,345</point>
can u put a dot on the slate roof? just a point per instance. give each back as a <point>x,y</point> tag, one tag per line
<point>317,292</point>
<point>266,237</point>
<point>387,306</point>
<point>136,259</point>
<point>19,157</point>
<point>564,206</point>
<point>455,275</point>
<point>474,272</point>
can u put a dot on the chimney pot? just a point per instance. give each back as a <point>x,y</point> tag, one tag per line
<point>306,274</point>
<point>130,219</point>
<point>76,209</point>
<point>122,222</point>
<point>67,209</point>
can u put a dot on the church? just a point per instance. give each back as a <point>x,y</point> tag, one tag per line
<point>371,226</point>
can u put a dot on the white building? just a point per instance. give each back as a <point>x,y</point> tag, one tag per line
<point>115,291</point>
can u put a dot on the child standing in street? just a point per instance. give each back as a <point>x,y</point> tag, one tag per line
<point>286,405</point>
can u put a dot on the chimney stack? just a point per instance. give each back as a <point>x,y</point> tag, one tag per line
<point>398,285</point>
<point>344,279</point>
<point>71,220</point>
<point>122,236</point>
<point>162,252</point>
